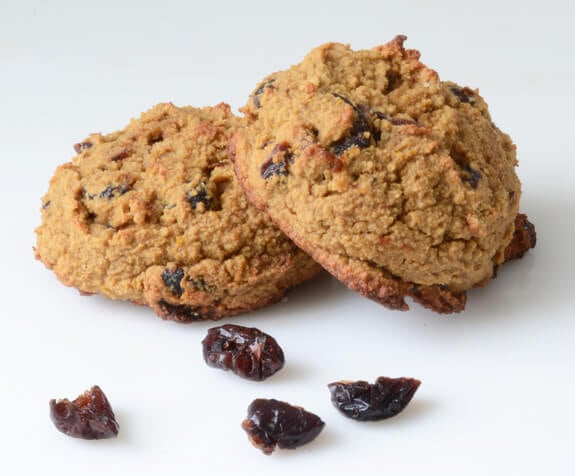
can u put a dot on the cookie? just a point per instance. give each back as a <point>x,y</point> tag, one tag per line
<point>153,214</point>
<point>398,183</point>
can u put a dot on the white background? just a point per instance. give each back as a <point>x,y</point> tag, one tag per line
<point>498,392</point>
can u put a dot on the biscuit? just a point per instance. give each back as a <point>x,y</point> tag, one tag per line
<point>396,182</point>
<point>153,214</point>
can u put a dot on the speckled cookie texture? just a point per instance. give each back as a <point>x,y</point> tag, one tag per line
<point>153,214</point>
<point>398,183</point>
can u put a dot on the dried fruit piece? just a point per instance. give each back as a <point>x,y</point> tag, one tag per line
<point>364,401</point>
<point>81,146</point>
<point>246,351</point>
<point>360,134</point>
<point>464,94</point>
<point>200,195</point>
<point>524,238</point>
<point>278,161</point>
<point>259,91</point>
<point>173,279</point>
<point>90,416</point>
<point>111,190</point>
<point>271,422</point>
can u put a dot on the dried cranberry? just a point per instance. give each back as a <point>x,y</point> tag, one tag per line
<point>361,132</point>
<point>81,146</point>
<point>199,195</point>
<point>259,91</point>
<point>172,279</point>
<point>90,416</point>
<point>470,175</point>
<point>246,351</point>
<point>111,190</point>
<point>464,94</point>
<point>271,422</point>
<point>364,401</point>
<point>277,163</point>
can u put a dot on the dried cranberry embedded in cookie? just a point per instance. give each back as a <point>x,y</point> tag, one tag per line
<point>199,196</point>
<point>246,351</point>
<point>363,401</point>
<point>271,422</point>
<point>172,279</point>
<point>361,132</point>
<point>464,94</point>
<point>260,90</point>
<point>277,163</point>
<point>81,146</point>
<point>89,416</point>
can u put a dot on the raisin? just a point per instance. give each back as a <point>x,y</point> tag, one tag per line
<point>271,422</point>
<point>46,204</point>
<point>90,416</point>
<point>246,351</point>
<point>464,94</point>
<point>259,91</point>
<point>200,195</point>
<point>172,279</point>
<point>110,191</point>
<point>361,132</point>
<point>277,163</point>
<point>81,146</point>
<point>363,401</point>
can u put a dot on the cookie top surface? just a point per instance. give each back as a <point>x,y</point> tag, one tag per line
<point>153,214</point>
<point>396,182</point>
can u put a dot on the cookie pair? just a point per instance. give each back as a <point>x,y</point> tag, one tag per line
<point>397,183</point>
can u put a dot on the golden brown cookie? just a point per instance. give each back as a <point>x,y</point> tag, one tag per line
<point>153,214</point>
<point>399,184</point>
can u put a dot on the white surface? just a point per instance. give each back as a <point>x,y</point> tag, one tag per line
<point>498,392</point>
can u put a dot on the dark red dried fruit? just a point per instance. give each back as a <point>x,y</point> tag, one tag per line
<point>81,146</point>
<point>172,279</point>
<point>464,94</point>
<point>90,416</point>
<point>277,163</point>
<point>361,132</point>
<point>524,238</point>
<point>271,422</point>
<point>259,91</point>
<point>124,154</point>
<point>364,401</point>
<point>199,195</point>
<point>246,351</point>
<point>112,190</point>
<point>470,175</point>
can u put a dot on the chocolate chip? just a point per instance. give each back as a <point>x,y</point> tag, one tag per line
<point>361,131</point>
<point>172,279</point>
<point>277,163</point>
<point>259,91</point>
<point>199,195</point>
<point>81,146</point>
<point>464,94</point>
